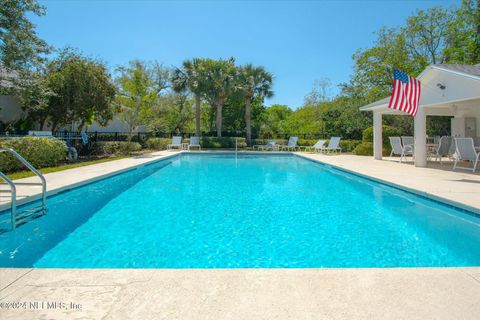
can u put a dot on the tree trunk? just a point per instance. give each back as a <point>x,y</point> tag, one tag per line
<point>248,120</point>
<point>477,38</point>
<point>42,123</point>
<point>219,117</point>
<point>197,115</point>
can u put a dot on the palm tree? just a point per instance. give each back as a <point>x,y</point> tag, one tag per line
<point>253,82</point>
<point>191,78</point>
<point>219,84</point>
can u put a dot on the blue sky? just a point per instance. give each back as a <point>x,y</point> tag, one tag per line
<point>297,41</point>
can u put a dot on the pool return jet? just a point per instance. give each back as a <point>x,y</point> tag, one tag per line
<point>22,217</point>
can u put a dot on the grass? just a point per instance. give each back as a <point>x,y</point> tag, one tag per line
<point>27,173</point>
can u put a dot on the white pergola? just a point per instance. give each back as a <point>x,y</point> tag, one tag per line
<point>447,90</point>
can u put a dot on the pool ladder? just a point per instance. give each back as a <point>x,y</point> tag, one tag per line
<point>22,217</point>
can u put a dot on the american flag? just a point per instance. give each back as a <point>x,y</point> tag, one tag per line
<point>405,93</point>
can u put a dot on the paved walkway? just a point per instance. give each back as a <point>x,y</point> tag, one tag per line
<point>434,293</point>
<point>460,188</point>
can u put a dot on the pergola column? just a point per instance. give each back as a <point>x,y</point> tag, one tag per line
<point>420,135</point>
<point>377,135</point>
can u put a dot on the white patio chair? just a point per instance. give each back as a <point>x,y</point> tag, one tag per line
<point>176,143</point>
<point>333,145</point>
<point>318,146</point>
<point>292,144</point>
<point>195,143</point>
<point>400,150</point>
<point>466,152</point>
<point>443,148</point>
<point>408,141</point>
<point>270,145</point>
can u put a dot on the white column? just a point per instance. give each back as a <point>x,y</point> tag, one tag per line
<point>420,129</point>
<point>377,135</point>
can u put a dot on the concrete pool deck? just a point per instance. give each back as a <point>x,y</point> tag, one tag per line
<point>424,293</point>
<point>390,293</point>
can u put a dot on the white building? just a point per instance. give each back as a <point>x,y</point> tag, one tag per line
<point>447,90</point>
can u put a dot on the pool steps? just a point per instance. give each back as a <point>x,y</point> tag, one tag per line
<point>22,217</point>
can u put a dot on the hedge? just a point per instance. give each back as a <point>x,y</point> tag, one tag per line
<point>222,142</point>
<point>366,147</point>
<point>41,152</point>
<point>117,147</point>
<point>158,143</point>
<point>346,145</point>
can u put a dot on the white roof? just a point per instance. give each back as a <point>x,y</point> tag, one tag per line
<point>459,83</point>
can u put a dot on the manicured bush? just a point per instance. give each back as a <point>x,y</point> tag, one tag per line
<point>117,147</point>
<point>41,152</point>
<point>306,142</point>
<point>222,142</point>
<point>158,143</point>
<point>364,149</point>
<point>349,145</point>
<point>367,140</point>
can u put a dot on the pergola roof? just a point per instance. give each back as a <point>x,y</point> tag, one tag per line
<point>443,86</point>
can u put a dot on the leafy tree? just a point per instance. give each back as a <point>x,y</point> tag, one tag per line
<point>83,91</point>
<point>35,98</point>
<point>426,34</point>
<point>173,112</point>
<point>191,77</point>
<point>219,79</point>
<point>463,39</point>
<point>320,92</point>
<point>274,120</point>
<point>253,82</point>
<point>20,47</point>
<point>139,88</point>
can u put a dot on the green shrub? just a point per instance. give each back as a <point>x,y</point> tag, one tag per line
<point>117,147</point>
<point>387,132</point>
<point>349,145</point>
<point>222,142</point>
<point>158,143</point>
<point>41,152</point>
<point>364,149</point>
<point>305,142</point>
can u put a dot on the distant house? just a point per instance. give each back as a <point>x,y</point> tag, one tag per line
<point>11,109</point>
<point>447,90</point>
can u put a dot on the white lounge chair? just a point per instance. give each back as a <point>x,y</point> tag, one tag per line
<point>318,146</point>
<point>195,143</point>
<point>442,149</point>
<point>466,152</point>
<point>333,145</point>
<point>271,145</point>
<point>176,143</point>
<point>398,149</point>
<point>292,144</point>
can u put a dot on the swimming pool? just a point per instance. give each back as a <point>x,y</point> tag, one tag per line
<point>250,211</point>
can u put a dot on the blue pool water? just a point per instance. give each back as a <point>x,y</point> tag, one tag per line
<point>254,211</point>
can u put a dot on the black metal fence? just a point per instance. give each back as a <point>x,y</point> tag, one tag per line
<point>143,136</point>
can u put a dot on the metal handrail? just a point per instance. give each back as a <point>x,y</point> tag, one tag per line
<point>14,189</point>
